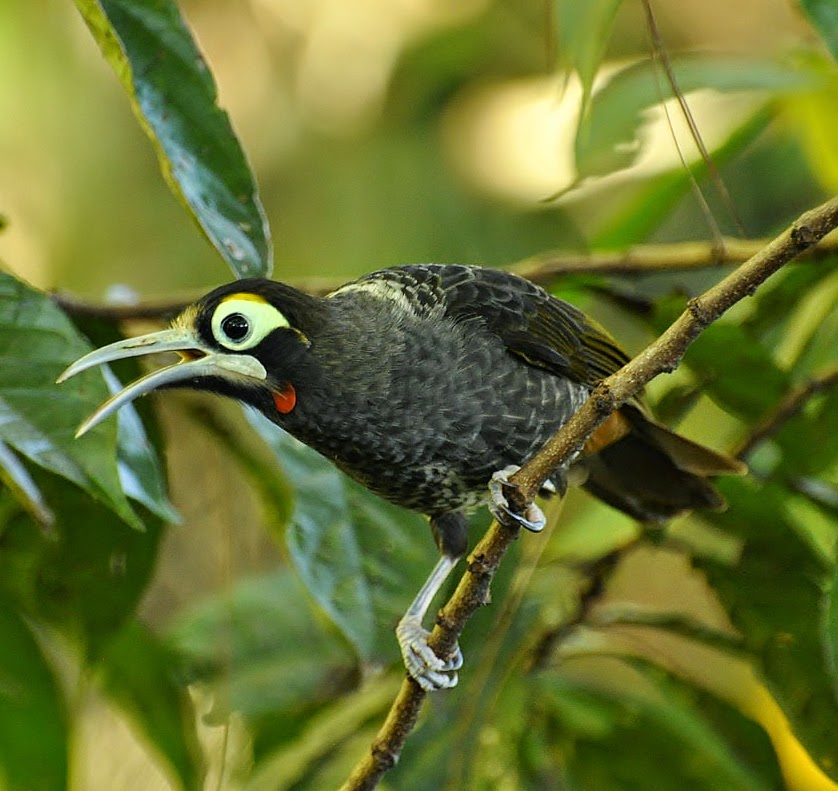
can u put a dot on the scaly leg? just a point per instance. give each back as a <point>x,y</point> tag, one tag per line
<point>428,670</point>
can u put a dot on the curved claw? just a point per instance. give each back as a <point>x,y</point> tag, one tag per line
<point>423,665</point>
<point>533,520</point>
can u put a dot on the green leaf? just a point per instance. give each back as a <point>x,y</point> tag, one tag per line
<point>86,574</point>
<point>652,200</point>
<point>669,738</point>
<point>583,32</point>
<point>39,418</point>
<point>609,140</point>
<point>804,453</point>
<point>737,371</point>
<point>823,14</point>
<point>262,648</point>
<point>775,596</point>
<point>138,462</point>
<point>139,673</point>
<point>174,96</point>
<point>776,299</point>
<point>33,726</point>
<point>361,558</point>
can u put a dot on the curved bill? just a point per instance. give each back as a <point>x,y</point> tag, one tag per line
<point>210,363</point>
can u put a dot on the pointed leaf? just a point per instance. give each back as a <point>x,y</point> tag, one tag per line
<point>173,94</point>
<point>609,140</point>
<point>37,417</point>
<point>14,474</point>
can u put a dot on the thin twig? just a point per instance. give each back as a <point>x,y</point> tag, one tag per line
<point>542,269</point>
<point>662,55</point>
<point>645,259</point>
<point>661,356</point>
<point>794,401</point>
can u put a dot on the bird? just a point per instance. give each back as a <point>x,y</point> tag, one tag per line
<point>429,384</point>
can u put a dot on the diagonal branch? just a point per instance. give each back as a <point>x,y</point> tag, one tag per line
<point>662,356</point>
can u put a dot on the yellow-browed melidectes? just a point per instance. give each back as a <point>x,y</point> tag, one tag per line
<point>424,383</point>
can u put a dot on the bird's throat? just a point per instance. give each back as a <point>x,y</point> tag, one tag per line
<point>285,399</point>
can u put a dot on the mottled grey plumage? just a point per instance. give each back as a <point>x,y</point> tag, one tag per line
<point>423,382</point>
<point>415,398</point>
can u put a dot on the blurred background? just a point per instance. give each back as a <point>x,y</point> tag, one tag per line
<point>381,132</point>
<point>385,132</point>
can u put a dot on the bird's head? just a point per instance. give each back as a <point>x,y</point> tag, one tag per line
<point>247,339</point>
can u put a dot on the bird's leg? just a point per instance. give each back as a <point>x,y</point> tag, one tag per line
<point>532,520</point>
<point>424,666</point>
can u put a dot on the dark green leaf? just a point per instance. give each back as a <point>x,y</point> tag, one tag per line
<point>174,95</point>
<point>361,558</point>
<point>140,471</point>
<point>139,673</point>
<point>606,738</point>
<point>86,574</point>
<point>653,200</point>
<point>801,439</point>
<point>264,648</point>
<point>609,140</point>
<point>776,596</point>
<point>823,14</point>
<point>39,418</point>
<point>33,727</point>
<point>736,371</point>
<point>776,299</point>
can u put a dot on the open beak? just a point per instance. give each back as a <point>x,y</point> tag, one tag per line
<point>198,360</point>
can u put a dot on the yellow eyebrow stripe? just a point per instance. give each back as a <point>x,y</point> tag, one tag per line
<point>248,297</point>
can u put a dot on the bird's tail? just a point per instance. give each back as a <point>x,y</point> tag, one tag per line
<point>649,471</point>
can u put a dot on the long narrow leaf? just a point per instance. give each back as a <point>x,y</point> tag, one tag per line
<point>173,94</point>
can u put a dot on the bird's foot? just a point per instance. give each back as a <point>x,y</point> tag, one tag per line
<point>532,520</point>
<point>423,665</point>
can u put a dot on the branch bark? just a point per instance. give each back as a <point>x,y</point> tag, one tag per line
<point>662,356</point>
<point>542,269</point>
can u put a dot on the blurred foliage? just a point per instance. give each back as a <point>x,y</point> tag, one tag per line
<point>613,657</point>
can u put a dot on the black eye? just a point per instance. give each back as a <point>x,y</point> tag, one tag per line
<point>235,326</point>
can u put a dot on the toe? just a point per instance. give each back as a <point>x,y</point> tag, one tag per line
<point>422,663</point>
<point>532,520</point>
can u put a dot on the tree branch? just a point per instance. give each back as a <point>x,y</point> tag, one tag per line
<point>542,269</point>
<point>661,356</point>
<point>649,258</point>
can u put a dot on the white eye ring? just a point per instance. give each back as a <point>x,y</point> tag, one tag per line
<point>260,319</point>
